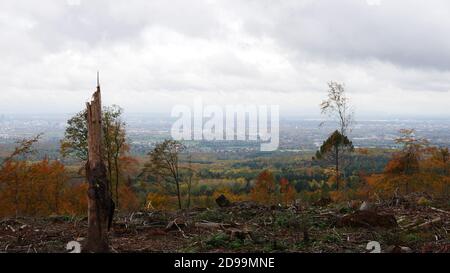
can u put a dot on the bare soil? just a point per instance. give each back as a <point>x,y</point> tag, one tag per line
<point>241,227</point>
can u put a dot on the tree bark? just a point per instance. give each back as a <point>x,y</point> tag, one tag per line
<point>100,205</point>
<point>178,193</point>
<point>337,167</point>
<point>116,166</point>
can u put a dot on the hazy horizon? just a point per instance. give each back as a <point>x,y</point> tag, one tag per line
<point>283,116</point>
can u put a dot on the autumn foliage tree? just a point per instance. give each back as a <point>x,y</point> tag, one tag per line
<point>37,188</point>
<point>264,190</point>
<point>13,176</point>
<point>287,192</point>
<point>417,166</point>
<point>406,163</point>
<point>267,191</point>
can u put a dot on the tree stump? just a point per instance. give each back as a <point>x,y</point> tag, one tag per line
<point>222,201</point>
<point>100,205</point>
<point>367,219</point>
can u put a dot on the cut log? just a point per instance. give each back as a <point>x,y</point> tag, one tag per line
<point>439,210</point>
<point>176,224</point>
<point>211,225</point>
<point>428,224</point>
<point>100,204</point>
<point>247,205</point>
<point>367,219</point>
<point>236,233</point>
<point>365,206</point>
<point>398,249</point>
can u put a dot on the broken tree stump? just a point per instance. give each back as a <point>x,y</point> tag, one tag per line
<point>222,201</point>
<point>100,204</point>
<point>367,219</point>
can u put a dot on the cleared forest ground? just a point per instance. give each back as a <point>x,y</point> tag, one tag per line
<point>248,227</point>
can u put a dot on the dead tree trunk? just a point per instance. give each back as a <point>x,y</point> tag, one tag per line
<point>100,205</point>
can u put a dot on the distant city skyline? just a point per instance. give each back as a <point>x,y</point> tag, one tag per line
<point>306,134</point>
<point>393,56</point>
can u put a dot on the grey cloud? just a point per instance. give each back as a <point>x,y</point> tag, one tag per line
<point>58,24</point>
<point>406,33</point>
<point>283,49</point>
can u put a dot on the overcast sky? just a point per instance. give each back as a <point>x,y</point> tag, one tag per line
<point>393,56</point>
